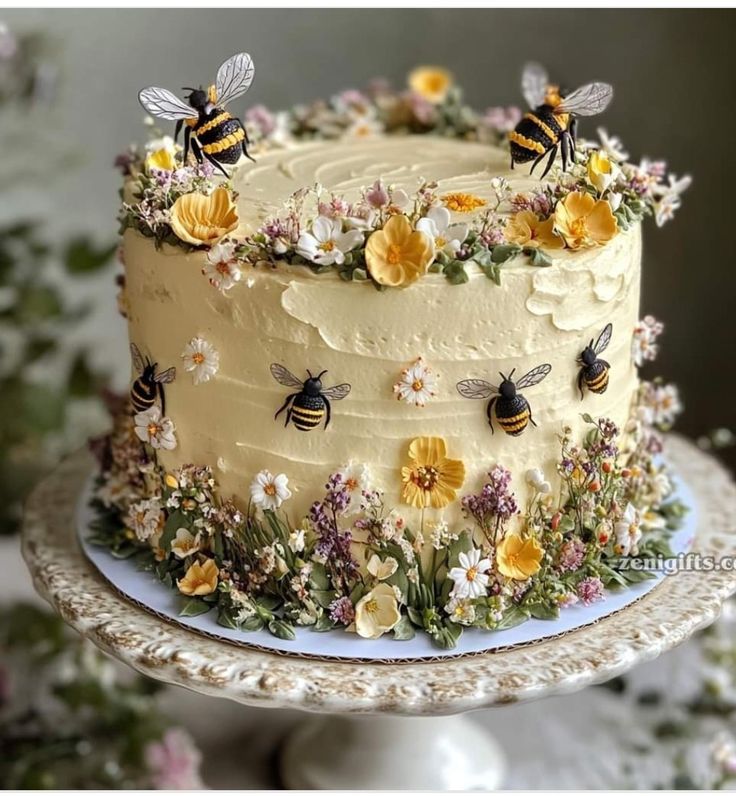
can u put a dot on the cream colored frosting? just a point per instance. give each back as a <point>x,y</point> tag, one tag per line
<point>365,337</point>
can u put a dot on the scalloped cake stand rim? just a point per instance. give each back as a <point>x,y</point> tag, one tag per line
<point>668,615</point>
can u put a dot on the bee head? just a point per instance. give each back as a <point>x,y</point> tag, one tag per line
<point>507,388</point>
<point>588,356</point>
<point>313,385</point>
<point>553,96</point>
<point>199,99</point>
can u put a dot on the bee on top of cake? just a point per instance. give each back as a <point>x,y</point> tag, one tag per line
<point>211,131</point>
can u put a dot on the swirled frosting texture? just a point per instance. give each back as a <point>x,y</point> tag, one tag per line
<point>365,337</point>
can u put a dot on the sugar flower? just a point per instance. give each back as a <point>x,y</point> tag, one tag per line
<point>199,579</point>
<point>460,202</point>
<point>145,518</point>
<point>161,159</point>
<point>201,359</point>
<point>203,220</point>
<point>382,569</point>
<point>525,229</point>
<point>663,404</point>
<point>268,491</point>
<point>644,346</point>
<point>612,146</point>
<point>518,558</point>
<point>184,544</point>
<point>355,479</point>
<point>397,254</point>
<point>417,384</point>
<point>222,267</point>
<point>430,478</point>
<point>173,762</point>
<point>327,244</point>
<point>590,590</point>
<point>583,221</point>
<point>461,611</point>
<point>536,480</point>
<point>157,431</point>
<point>297,540</point>
<point>342,611</point>
<point>447,237</point>
<point>602,171</point>
<point>470,576</point>
<point>432,83</point>
<point>377,612</point>
<point>627,531</point>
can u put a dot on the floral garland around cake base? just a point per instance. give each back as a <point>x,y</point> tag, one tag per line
<point>357,565</point>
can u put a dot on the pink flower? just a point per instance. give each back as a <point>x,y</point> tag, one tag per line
<point>377,195</point>
<point>423,110</point>
<point>502,120</point>
<point>173,762</point>
<point>590,590</point>
<point>571,555</point>
<point>261,118</point>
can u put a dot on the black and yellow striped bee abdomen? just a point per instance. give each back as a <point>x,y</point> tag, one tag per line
<point>535,134</point>
<point>143,394</point>
<point>513,414</point>
<point>307,411</point>
<point>221,136</point>
<point>596,376</point>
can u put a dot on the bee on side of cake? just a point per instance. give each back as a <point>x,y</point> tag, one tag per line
<point>551,124</point>
<point>149,384</point>
<point>311,404</point>
<point>211,131</point>
<point>594,372</point>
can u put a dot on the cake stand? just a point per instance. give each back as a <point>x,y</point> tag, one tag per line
<point>384,726</point>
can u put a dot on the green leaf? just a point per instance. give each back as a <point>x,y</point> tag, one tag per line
<point>415,616</point>
<point>324,597</point>
<point>253,623</point>
<point>538,258</point>
<point>493,272</point>
<point>455,273</point>
<point>323,623</point>
<point>194,607</point>
<point>463,544</point>
<point>504,252</point>
<point>404,630</point>
<point>587,418</point>
<point>636,575</point>
<point>281,629</point>
<point>177,519</point>
<point>544,611</point>
<point>318,577</point>
<point>83,257</point>
<point>512,617</point>
<point>225,618</point>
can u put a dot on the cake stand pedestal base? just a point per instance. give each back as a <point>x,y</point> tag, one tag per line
<point>391,753</point>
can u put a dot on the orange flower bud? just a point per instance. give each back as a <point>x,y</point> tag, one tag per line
<point>606,467</point>
<point>594,486</point>
<point>626,473</point>
<point>555,524</point>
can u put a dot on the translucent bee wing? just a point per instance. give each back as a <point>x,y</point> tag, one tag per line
<point>162,103</point>
<point>338,392</point>
<point>285,377</point>
<point>603,339</point>
<point>534,81</point>
<point>588,100</point>
<point>476,389</point>
<point>533,377</point>
<point>166,377</point>
<point>234,78</point>
<point>137,358</point>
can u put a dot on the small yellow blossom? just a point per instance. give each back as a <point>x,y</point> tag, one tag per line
<point>430,478</point>
<point>525,229</point>
<point>170,481</point>
<point>161,159</point>
<point>518,558</point>
<point>397,254</point>
<point>601,172</point>
<point>584,221</point>
<point>377,612</point>
<point>199,219</point>
<point>432,83</point>
<point>200,579</point>
<point>460,202</point>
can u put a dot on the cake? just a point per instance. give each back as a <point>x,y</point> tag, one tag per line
<point>383,380</point>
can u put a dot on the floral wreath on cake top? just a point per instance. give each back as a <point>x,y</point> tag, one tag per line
<point>356,564</point>
<point>388,237</point>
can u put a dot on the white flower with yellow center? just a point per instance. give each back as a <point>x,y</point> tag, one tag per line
<point>222,268</point>
<point>356,479</point>
<point>470,576</point>
<point>201,359</point>
<point>461,611</point>
<point>417,384</point>
<point>184,543</point>
<point>145,518</point>
<point>447,237</point>
<point>627,532</point>
<point>382,569</point>
<point>327,244</point>
<point>268,491</point>
<point>157,431</point>
<point>377,612</point>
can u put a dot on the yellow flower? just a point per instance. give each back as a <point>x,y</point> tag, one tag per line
<point>460,202</point>
<point>584,221</point>
<point>200,219</point>
<point>431,479</point>
<point>525,229</point>
<point>377,612</point>
<point>518,558</point>
<point>397,254</point>
<point>200,579</point>
<point>601,171</point>
<point>161,159</point>
<point>431,82</point>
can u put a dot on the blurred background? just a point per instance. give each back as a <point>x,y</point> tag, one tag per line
<point>68,104</point>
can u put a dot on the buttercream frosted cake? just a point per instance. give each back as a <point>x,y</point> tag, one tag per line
<point>385,380</point>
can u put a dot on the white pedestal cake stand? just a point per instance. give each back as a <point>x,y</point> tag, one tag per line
<point>369,736</point>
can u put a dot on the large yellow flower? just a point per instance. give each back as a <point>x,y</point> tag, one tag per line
<point>430,478</point>
<point>431,82</point>
<point>525,229</point>
<point>377,612</point>
<point>200,219</point>
<point>397,254</point>
<point>199,579</point>
<point>518,558</point>
<point>584,221</point>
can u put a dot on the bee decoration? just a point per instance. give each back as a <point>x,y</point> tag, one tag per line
<point>149,383</point>
<point>512,409</point>
<point>551,123</point>
<point>593,370</point>
<point>306,407</point>
<point>209,129</point>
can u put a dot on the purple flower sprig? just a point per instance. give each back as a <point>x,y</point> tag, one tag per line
<point>494,505</point>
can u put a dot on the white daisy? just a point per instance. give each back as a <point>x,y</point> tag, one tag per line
<point>461,611</point>
<point>470,576</point>
<point>665,404</point>
<point>145,518</point>
<point>184,543</point>
<point>222,268</point>
<point>363,127</point>
<point>268,491</point>
<point>447,237</point>
<point>327,244</point>
<point>154,429</point>
<point>417,384</point>
<point>644,346</point>
<point>535,478</point>
<point>356,479</point>
<point>201,359</point>
<point>627,532</point>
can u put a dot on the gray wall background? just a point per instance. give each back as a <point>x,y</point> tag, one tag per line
<point>674,77</point>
